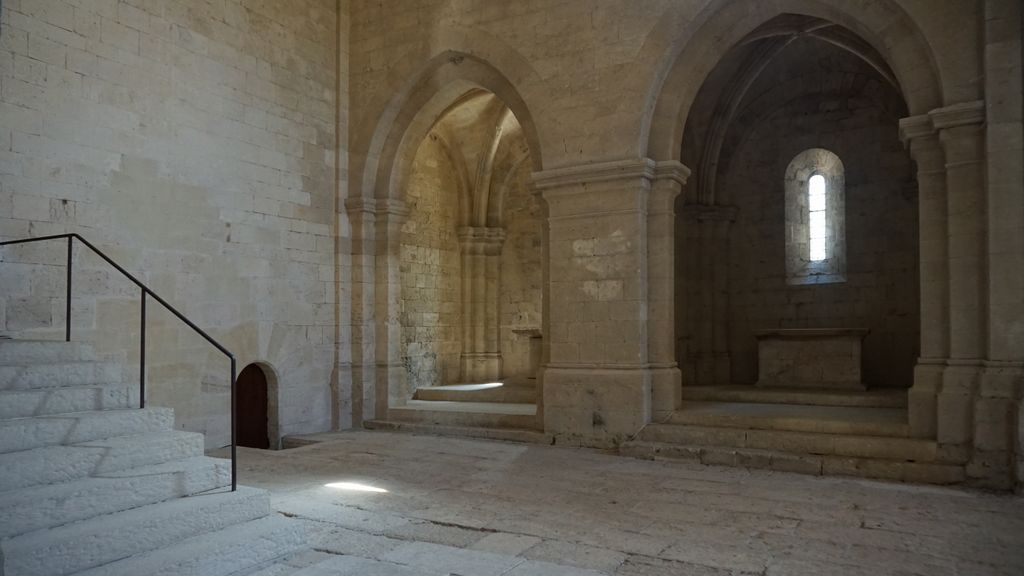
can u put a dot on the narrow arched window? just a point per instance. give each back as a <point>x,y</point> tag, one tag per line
<point>815,218</point>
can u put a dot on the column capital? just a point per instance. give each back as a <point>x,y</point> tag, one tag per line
<point>927,125</point>
<point>610,171</point>
<point>916,127</point>
<point>481,239</point>
<point>382,206</point>
<point>673,170</point>
<point>963,114</point>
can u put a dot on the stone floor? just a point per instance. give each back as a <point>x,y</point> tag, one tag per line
<point>479,508</point>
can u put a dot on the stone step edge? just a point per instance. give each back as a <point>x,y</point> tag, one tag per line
<point>793,435</point>
<point>768,396</point>
<point>787,424</point>
<point>107,534</point>
<point>811,464</point>
<point>163,418</point>
<point>459,418</point>
<point>509,396</point>
<point>62,494</point>
<point>183,445</point>
<point>130,397</point>
<point>280,538</point>
<point>521,435</point>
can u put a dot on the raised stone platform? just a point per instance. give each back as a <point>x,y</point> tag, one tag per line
<point>824,358</point>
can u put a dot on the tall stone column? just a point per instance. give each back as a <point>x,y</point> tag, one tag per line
<point>666,379</point>
<point>391,388</point>
<point>1000,407</point>
<point>961,133</point>
<point>362,219</point>
<point>597,383</point>
<point>481,270</point>
<point>920,137</point>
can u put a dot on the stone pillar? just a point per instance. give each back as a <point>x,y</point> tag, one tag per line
<point>545,305</point>
<point>919,135</point>
<point>391,389</point>
<point>362,219</point>
<point>709,314</point>
<point>998,455</point>
<point>481,270</point>
<point>666,379</point>
<point>597,383</point>
<point>962,136</point>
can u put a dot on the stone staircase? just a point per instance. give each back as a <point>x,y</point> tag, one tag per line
<point>91,485</point>
<point>823,433</point>
<point>505,410</point>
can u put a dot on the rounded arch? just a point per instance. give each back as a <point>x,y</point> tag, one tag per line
<point>803,266</point>
<point>273,400</point>
<point>410,115</point>
<point>697,47</point>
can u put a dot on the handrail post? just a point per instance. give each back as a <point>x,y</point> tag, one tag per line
<point>67,304</point>
<point>234,428</point>
<point>142,354</point>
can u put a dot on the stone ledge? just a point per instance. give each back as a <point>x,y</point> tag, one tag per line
<point>815,465</point>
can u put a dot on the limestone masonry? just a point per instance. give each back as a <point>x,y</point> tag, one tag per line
<point>561,222</point>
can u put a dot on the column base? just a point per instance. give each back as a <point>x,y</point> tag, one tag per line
<point>998,437</point>
<point>955,400</point>
<point>596,406</point>
<point>922,398</point>
<point>666,391</point>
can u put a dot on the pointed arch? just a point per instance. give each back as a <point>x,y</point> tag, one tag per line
<point>698,45</point>
<point>409,116</point>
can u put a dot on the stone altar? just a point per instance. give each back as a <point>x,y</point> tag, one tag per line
<point>828,358</point>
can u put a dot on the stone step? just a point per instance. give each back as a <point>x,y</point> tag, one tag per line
<point>58,374</point>
<point>45,401</point>
<point>879,398</point>
<point>24,352</point>
<point>507,394</point>
<point>54,464</point>
<point>104,539</point>
<point>77,427</point>
<point>53,505</point>
<point>797,418</point>
<point>814,464</point>
<point>483,414</point>
<point>504,434</point>
<point>478,393</point>
<point>238,549</point>
<point>889,448</point>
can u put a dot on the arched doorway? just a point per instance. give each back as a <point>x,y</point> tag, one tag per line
<point>253,427</point>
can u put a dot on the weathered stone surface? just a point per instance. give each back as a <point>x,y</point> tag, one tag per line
<point>552,511</point>
<point>295,175</point>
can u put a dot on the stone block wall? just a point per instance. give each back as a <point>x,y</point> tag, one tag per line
<point>195,142</point>
<point>430,268</point>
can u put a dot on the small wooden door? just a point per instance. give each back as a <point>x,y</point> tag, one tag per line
<point>252,408</point>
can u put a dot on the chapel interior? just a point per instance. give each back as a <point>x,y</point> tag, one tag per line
<point>529,288</point>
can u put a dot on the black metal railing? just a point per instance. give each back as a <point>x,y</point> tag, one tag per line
<point>146,292</point>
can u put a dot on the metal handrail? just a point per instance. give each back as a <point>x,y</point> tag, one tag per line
<point>142,339</point>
